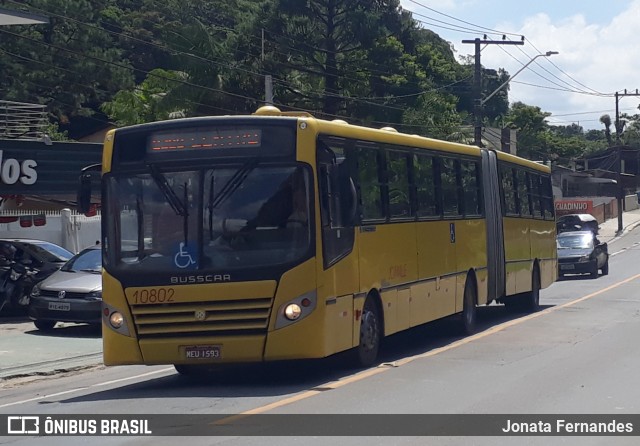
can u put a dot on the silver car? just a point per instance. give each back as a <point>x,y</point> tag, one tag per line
<point>72,294</point>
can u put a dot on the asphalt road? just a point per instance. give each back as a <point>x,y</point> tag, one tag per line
<point>579,355</point>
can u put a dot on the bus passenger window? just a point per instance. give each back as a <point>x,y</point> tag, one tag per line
<point>509,191</point>
<point>399,200</point>
<point>470,188</point>
<point>370,186</point>
<point>523,193</point>
<point>425,186</point>
<point>449,187</point>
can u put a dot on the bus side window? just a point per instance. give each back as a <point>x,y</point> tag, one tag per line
<point>370,184</point>
<point>471,188</point>
<point>535,194</point>
<point>547,198</point>
<point>523,193</point>
<point>399,196</point>
<point>425,184</point>
<point>450,192</point>
<point>509,191</point>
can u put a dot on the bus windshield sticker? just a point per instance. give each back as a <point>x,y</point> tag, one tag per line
<point>183,258</point>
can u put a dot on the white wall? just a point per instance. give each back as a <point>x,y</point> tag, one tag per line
<point>67,229</point>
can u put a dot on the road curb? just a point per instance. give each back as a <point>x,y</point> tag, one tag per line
<point>45,368</point>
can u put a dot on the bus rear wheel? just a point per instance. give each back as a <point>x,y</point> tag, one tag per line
<point>469,309</point>
<point>370,334</point>
<point>532,299</point>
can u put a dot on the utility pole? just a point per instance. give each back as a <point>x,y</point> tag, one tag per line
<point>477,83</point>
<point>268,81</point>
<point>619,127</point>
<point>619,181</point>
<point>618,124</point>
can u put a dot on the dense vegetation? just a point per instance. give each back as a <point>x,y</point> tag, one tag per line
<point>366,61</point>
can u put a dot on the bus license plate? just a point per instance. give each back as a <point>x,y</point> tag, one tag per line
<point>202,352</point>
<point>60,306</point>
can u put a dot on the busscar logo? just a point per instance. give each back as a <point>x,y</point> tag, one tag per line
<point>205,278</point>
<point>23,425</point>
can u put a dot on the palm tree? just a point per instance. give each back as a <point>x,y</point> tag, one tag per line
<point>606,120</point>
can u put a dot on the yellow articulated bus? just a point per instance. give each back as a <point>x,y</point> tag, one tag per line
<point>278,236</point>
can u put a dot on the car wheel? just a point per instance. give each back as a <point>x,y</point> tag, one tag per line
<point>370,334</point>
<point>594,271</point>
<point>44,325</point>
<point>605,268</point>
<point>469,309</point>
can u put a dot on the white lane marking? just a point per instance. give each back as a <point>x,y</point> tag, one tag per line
<point>15,403</point>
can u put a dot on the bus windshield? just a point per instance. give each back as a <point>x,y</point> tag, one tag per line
<point>228,217</point>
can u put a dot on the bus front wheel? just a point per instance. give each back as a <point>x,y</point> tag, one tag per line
<point>370,334</point>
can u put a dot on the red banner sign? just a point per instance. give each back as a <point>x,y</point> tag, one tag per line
<point>574,207</point>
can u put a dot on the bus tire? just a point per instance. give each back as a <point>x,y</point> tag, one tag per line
<point>191,370</point>
<point>469,308</point>
<point>532,298</point>
<point>370,334</point>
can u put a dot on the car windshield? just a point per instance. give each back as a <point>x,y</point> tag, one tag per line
<point>89,260</point>
<point>229,217</point>
<point>575,241</point>
<point>50,252</point>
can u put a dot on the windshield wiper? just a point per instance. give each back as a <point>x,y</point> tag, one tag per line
<point>174,201</point>
<point>233,183</point>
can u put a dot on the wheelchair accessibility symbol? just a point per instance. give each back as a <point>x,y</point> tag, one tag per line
<point>183,259</point>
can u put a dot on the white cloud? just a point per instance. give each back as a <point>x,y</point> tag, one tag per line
<point>601,53</point>
<point>604,58</point>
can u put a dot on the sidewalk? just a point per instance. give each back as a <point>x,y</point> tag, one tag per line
<point>609,229</point>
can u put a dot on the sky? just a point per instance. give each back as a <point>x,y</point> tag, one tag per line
<point>598,45</point>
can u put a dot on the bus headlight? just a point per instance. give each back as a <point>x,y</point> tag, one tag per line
<point>116,319</point>
<point>296,309</point>
<point>292,312</point>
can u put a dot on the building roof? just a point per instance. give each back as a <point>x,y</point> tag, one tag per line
<point>9,17</point>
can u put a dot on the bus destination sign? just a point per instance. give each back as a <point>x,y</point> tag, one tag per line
<point>203,139</point>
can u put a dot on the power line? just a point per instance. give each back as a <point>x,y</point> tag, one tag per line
<point>476,27</point>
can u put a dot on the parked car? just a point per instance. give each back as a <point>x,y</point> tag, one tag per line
<point>577,222</point>
<point>72,294</point>
<point>580,252</point>
<point>43,257</point>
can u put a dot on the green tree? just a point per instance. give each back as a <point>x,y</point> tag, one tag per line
<point>530,123</point>
<point>606,121</point>
<point>70,65</point>
<point>153,100</point>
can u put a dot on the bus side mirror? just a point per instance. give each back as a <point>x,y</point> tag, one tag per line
<point>84,193</point>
